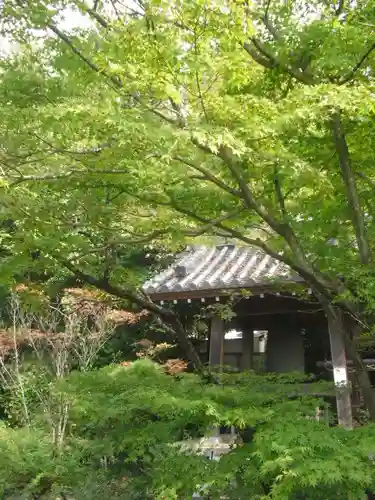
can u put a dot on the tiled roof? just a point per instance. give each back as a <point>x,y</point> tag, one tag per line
<point>217,268</point>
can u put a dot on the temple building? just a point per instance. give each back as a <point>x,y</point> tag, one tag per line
<point>277,326</point>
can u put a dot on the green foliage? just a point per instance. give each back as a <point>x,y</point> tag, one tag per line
<point>183,119</point>
<point>128,161</point>
<point>125,423</point>
<point>145,129</point>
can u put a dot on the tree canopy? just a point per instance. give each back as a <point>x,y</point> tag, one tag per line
<point>176,119</point>
<point>131,128</point>
<point>160,122</point>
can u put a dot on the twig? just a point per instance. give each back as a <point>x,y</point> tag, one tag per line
<point>197,76</point>
<point>54,177</point>
<point>369,181</point>
<point>116,81</point>
<point>94,14</point>
<point>279,194</point>
<point>268,24</point>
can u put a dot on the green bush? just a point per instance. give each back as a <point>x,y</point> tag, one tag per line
<point>124,420</point>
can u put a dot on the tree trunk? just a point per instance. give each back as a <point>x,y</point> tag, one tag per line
<point>339,364</point>
<point>347,324</point>
<point>175,328</point>
<point>361,373</point>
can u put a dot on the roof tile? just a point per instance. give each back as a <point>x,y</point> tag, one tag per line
<point>216,268</point>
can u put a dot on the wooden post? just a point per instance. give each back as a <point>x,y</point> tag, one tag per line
<point>216,353</point>
<point>339,364</point>
<point>247,348</point>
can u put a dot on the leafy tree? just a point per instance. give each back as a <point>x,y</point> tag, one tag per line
<point>169,120</point>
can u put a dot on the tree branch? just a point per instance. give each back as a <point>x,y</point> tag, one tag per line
<point>257,57</point>
<point>118,84</point>
<point>283,228</point>
<point>226,156</point>
<point>304,270</point>
<point>358,66</point>
<point>367,179</point>
<point>339,7</point>
<point>94,14</point>
<point>351,188</point>
<point>116,81</point>
<point>262,56</point>
<point>94,150</point>
<point>213,223</point>
<point>200,96</point>
<point>208,176</point>
<point>168,318</point>
<point>70,173</point>
<point>268,24</point>
<point>279,195</point>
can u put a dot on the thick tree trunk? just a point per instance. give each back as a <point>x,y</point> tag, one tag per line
<point>339,364</point>
<point>346,325</point>
<point>361,373</point>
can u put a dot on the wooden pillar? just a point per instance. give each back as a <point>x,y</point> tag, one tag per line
<point>216,352</point>
<point>339,364</point>
<point>247,349</point>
